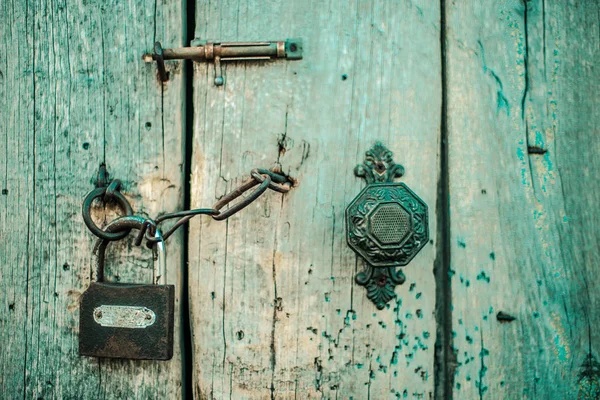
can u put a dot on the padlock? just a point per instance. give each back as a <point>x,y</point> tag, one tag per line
<point>122,320</point>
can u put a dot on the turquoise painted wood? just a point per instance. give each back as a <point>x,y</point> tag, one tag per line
<point>74,93</point>
<point>274,308</point>
<point>494,104</point>
<point>523,126</point>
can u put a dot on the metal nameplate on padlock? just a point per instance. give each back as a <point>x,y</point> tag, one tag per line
<point>124,316</point>
<point>386,225</point>
<point>131,321</point>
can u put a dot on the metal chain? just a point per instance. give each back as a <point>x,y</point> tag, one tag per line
<point>263,178</point>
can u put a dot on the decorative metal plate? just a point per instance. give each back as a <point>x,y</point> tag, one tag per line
<point>386,224</point>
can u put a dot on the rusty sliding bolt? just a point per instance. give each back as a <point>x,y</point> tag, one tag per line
<point>225,51</point>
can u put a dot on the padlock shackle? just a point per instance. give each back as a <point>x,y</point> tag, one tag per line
<point>161,252</point>
<point>121,224</point>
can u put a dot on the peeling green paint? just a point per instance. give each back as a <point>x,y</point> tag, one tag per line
<point>483,277</point>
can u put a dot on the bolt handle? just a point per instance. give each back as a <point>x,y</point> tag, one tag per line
<point>218,52</point>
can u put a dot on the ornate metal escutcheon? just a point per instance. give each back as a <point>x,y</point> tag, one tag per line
<point>386,225</point>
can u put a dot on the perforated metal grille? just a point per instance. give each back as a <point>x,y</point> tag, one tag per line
<point>390,223</point>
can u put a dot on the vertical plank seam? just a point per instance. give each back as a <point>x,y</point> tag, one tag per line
<point>26,319</point>
<point>187,346</point>
<point>273,358</point>
<point>445,359</point>
<point>525,62</point>
<point>103,91</point>
<point>224,293</point>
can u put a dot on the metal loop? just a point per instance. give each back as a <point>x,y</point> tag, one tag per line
<point>125,224</point>
<point>87,217</point>
<point>229,197</point>
<point>279,182</point>
<point>114,187</point>
<point>120,228</point>
<point>119,225</point>
<point>148,228</point>
<point>178,214</point>
<point>185,217</point>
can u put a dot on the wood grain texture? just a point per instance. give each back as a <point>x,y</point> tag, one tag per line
<point>75,93</point>
<point>523,121</point>
<point>275,312</point>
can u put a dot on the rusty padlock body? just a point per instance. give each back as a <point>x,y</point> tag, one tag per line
<point>126,320</point>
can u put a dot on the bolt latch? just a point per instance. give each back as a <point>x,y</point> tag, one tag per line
<point>217,52</point>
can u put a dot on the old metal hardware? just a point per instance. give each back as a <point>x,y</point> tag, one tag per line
<point>108,194</point>
<point>102,176</point>
<point>131,321</point>
<point>135,321</point>
<point>218,52</point>
<point>386,225</point>
<point>120,227</point>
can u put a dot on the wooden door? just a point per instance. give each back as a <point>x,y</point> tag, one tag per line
<point>274,309</point>
<point>491,108</point>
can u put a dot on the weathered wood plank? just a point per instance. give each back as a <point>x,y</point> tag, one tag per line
<point>523,119</point>
<point>274,308</point>
<point>75,93</point>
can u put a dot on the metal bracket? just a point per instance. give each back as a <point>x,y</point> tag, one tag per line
<point>102,176</point>
<point>386,225</point>
<point>218,52</point>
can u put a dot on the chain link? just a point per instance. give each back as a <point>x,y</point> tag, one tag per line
<point>262,178</point>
